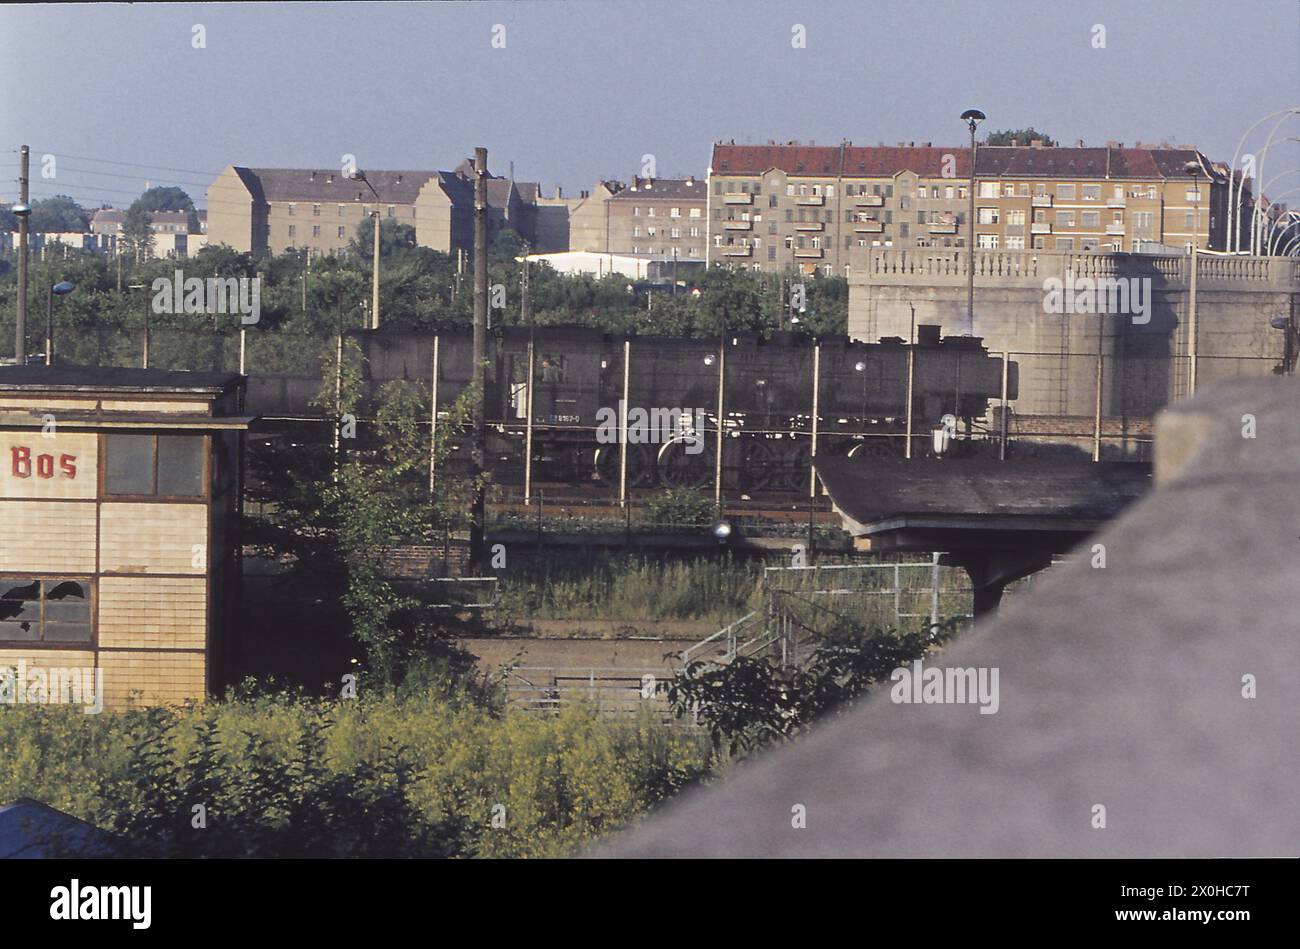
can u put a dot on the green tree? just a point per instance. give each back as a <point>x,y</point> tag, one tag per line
<point>59,213</point>
<point>170,198</point>
<point>1023,136</point>
<point>137,237</point>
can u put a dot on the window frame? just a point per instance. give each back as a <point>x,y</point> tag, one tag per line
<point>92,603</point>
<point>205,487</point>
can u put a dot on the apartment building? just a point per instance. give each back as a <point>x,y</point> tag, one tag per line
<point>1110,200</point>
<point>271,210</point>
<point>776,206</point>
<point>771,207</point>
<point>659,216</point>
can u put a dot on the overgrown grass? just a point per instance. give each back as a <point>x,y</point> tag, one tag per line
<point>629,587</point>
<point>384,775</point>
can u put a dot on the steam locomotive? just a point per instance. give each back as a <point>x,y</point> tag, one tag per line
<point>593,391</point>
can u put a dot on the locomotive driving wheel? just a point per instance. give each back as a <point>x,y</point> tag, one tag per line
<point>678,469</point>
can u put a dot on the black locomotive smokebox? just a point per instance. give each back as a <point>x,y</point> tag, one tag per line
<point>927,334</point>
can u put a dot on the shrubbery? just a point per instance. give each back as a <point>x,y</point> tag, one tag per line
<point>409,775</point>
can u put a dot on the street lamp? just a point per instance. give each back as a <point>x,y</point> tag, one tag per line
<point>1193,169</point>
<point>59,289</point>
<point>1284,322</point>
<point>972,118</point>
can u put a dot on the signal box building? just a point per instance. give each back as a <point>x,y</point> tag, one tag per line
<point>119,505</point>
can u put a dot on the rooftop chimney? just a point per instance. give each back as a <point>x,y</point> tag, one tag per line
<point>1015,142</point>
<point>312,177</point>
<point>690,181</point>
<point>1038,143</point>
<point>1078,143</point>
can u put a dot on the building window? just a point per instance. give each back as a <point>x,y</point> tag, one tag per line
<point>341,207</point>
<point>695,212</point>
<point>649,212</point>
<point>987,189</point>
<point>986,241</point>
<point>392,211</point>
<point>1092,192</point>
<point>695,231</point>
<point>1189,220</point>
<point>986,215</point>
<point>290,210</point>
<point>1089,244</point>
<point>293,230</point>
<point>315,230</point>
<point>676,233</point>
<point>315,210</point>
<point>45,610</point>
<point>675,212</point>
<point>1065,192</point>
<point>1065,243</point>
<point>154,465</point>
<point>1015,217</point>
<point>1008,190</point>
<point>341,231</point>
<point>1065,219</point>
<point>1090,219</point>
<point>948,192</point>
<point>636,230</point>
<point>1015,243</point>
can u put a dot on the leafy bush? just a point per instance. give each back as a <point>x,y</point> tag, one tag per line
<point>390,775</point>
<point>751,702</point>
<point>680,507</point>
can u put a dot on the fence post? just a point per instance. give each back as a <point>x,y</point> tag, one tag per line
<point>622,425</point>
<point>911,365</point>
<point>812,455</point>
<point>1006,369</point>
<point>1096,416</point>
<point>433,418</point>
<point>934,589</point>
<point>528,423</point>
<point>898,620</point>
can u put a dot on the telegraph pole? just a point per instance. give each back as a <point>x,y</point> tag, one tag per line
<point>478,453</point>
<point>374,285</point>
<point>20,327</point>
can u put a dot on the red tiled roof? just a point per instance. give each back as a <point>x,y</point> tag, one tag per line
<point>848,160</point>
<point>993,161</point>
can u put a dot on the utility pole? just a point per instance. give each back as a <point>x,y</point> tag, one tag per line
<point>374,280</point>
<point>478,453</point>
<point>20,327</point>
<point>526,316</point>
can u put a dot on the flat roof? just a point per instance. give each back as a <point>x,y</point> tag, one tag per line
<point>72,378</point>
<point>879,493</point>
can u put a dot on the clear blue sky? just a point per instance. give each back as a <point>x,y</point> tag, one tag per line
<point>583,89</point>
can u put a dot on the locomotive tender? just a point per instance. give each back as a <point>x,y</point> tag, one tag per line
<point>579,380</point>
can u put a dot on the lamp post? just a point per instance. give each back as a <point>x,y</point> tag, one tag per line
<point>1284,322</point>
<point>1193,168</point>
<point>59,289</point>
<point>972,118</point>
<point>1234,206</point>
